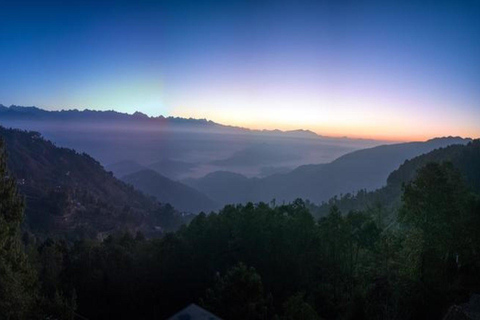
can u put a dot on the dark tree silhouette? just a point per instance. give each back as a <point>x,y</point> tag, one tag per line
<point>17,278</point>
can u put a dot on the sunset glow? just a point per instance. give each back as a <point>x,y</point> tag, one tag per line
<point>395,71</point>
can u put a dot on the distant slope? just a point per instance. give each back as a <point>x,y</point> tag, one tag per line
<point>224,186</point>
<point>70,193</point>
<point>123,168</point>
<point>172,169</point>
<point>363,169</point>
<point>165,190</point>
<point>465,158</point>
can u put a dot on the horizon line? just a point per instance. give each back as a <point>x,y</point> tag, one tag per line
<point>380,138</point>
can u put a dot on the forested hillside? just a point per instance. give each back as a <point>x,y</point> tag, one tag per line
<point>279,262</point>
<point>70,193</point>
<point>386,200</point>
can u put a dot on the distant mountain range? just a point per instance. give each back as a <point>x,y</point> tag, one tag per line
<point>144,149</point>
<point>179,148</point>
<point>21,113</point>
<point>364,169</point>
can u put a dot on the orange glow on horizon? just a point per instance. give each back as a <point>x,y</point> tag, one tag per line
<point>388,132</point>
<point>393,138</point>
<point>363,115</point>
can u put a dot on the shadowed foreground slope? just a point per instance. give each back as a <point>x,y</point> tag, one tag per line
<point>68,192</point>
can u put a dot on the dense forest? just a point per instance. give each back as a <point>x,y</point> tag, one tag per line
<point>263,261</point>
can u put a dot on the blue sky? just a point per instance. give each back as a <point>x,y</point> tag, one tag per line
<point>389,69</point>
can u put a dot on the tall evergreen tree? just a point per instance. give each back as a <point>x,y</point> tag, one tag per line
<point>238,294</point>
<point>17,279</point>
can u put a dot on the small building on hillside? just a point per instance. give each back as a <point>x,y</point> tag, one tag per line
<point>193,312</point>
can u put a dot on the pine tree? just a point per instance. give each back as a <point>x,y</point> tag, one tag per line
<point>238,294</point>
<point>17,278</point>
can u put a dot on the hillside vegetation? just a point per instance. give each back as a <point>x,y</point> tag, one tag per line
<point>386,200</point>
<point>71,193</point>
<point>279,262</point>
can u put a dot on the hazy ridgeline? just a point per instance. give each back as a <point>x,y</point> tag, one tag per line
<point>198,165</point>
<point>191,147</point>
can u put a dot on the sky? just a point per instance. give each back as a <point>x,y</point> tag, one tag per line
<point>398,70</point>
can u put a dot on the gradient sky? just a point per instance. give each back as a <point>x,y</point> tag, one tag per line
<point>396,70</point>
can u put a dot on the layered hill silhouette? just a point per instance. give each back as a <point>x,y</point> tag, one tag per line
<point>172,169</point>
<point>178,148</point>
<point>364,169</point>
<point>464,158</point>
<point>71,193</point>
<point>225,187</point>
<point>181,196</point>
<point>31,114</point>
<point>157,140</point>
<point>123,168</point>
